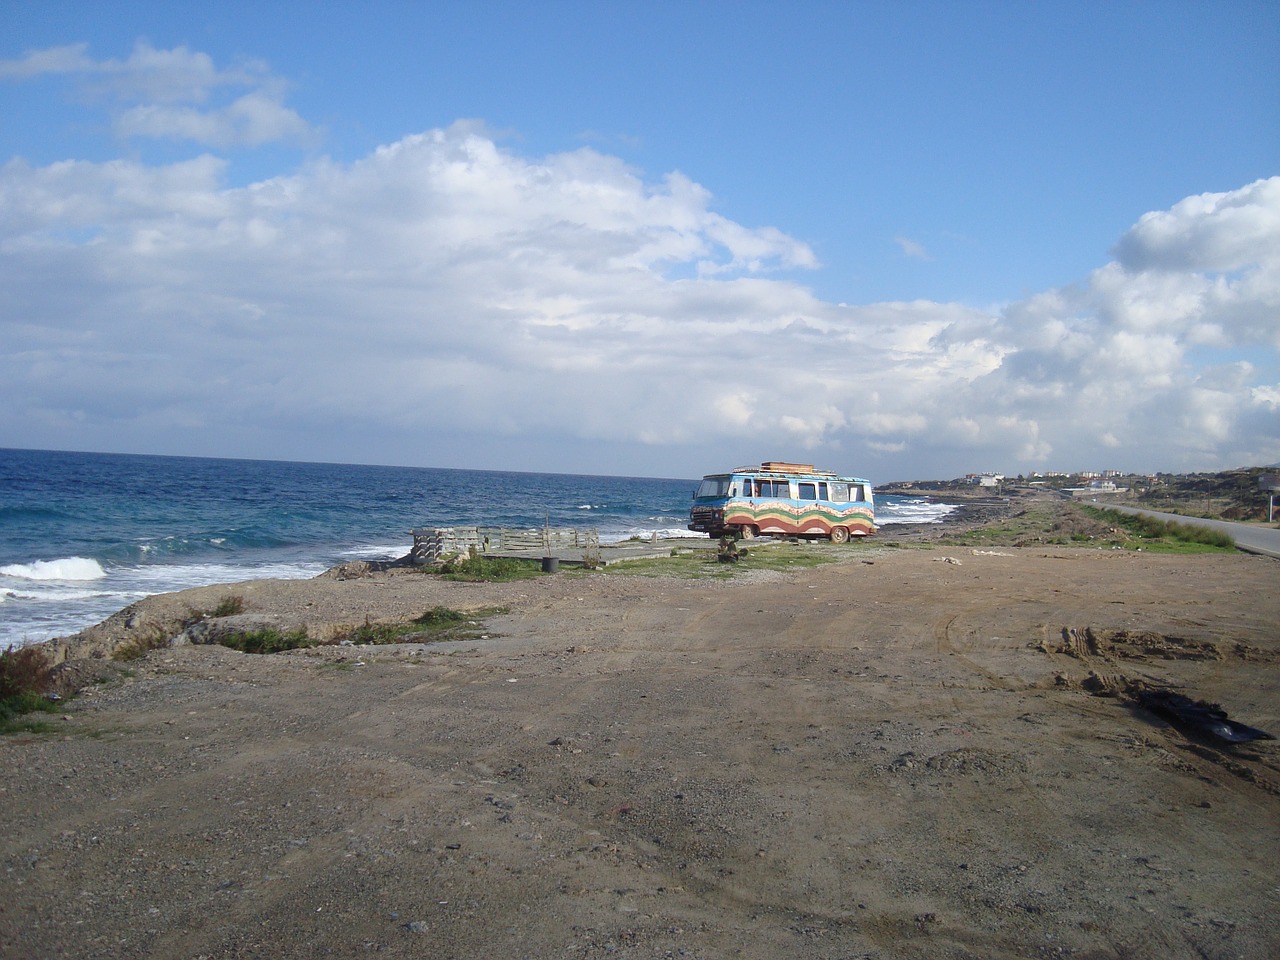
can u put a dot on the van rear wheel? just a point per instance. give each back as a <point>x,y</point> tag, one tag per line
<point>839,534</point>
<point>747,532</point>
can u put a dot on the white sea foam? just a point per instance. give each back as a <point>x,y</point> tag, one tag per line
<point>374,551</point>
<point>913,511</point>
<point>68,568</point>
<point>644,533</point>
<point>50,592</point>
<point>166,578</point>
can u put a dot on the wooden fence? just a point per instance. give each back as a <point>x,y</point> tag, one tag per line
<point>434,544</point>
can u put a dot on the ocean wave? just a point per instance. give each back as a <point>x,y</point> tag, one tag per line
<point>167,578</point>
<point>913,512</point>
<point>68,568</point>
<point>53,594</point>
<point>645,533</point>
<point>179,546</point>
<point>374,551</point>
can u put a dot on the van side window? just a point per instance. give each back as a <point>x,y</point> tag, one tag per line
<point>822,491</point>
<point>839,493</point>
<point>808,491</point>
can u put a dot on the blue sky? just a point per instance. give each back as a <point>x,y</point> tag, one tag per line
<point>910,239</point>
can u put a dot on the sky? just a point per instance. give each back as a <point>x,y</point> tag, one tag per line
<point>903,240</point>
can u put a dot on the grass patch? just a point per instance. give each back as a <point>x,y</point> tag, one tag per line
<point>268,641</point>
<point>28,724</point>
<point>1168,536</point>
<point>433,626</point>
<point>1075,524</point>
<point>1038,524</point>
<point>15,713</point>
<point>478,568</point>
<point>143,644</point>
<point>227,607</point>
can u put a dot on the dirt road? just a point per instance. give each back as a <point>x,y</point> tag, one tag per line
<point>901,756</point>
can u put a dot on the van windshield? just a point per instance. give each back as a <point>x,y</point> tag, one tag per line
<point>713,487</point>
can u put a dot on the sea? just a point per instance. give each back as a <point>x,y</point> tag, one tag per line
<point>83,535</point>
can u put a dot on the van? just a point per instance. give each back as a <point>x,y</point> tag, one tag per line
<point>777,497</point>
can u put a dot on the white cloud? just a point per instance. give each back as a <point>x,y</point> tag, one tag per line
<point>444,285</point>
<point>911,248</point>
<point>1117,351</point>
<point>1212,232</point>
<point>1267,396</point>
<point>176,94</point>
<point>252,120</point>
<point>53,60</point>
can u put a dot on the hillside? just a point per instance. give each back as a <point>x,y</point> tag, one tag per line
<point>1226,495</point>
<point>1229,495</point>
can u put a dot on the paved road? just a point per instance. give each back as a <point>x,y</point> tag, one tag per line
<point>1248,536</point>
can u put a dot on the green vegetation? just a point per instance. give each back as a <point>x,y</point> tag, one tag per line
<point>1080,524</point>
<point>143,644</point>
<point>477,568</point>
<point>227,607</point>
<point>1152,533</point>
<point>24,680</point>
<point>434,626</point>
<point>1039,523</point>
<point>159,636</point>
<point>267,641</point>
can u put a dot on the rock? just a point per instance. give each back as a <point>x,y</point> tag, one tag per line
<point>356,570</point>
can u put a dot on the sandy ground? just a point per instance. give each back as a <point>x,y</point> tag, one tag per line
<point>892,757</point>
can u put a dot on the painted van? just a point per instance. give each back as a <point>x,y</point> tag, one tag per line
<point>777,497</point>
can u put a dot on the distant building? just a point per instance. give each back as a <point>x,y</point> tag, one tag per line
<point>984,479</point>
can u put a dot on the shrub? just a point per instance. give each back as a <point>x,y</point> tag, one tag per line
<point>476,568</point>
<point>440,617</point>
<point>24,675</point>
<point>267,641</point>
<point>24,670</point>
<point>140,645</point>
<point>434,625</point>
<point>375,633</point>
<point>227,607</point>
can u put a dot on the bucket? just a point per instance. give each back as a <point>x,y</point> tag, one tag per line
<point>550,564</point>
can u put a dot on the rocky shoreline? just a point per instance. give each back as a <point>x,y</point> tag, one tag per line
<point>171,612</point>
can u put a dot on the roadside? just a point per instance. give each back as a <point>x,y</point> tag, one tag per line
<point>1250,537</point>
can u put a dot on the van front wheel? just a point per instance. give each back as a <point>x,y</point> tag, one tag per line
<point>747,532</point>
<point>839,534</point>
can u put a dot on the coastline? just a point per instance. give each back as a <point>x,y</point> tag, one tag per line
<point>165,611</point>
<point>904,754</point>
